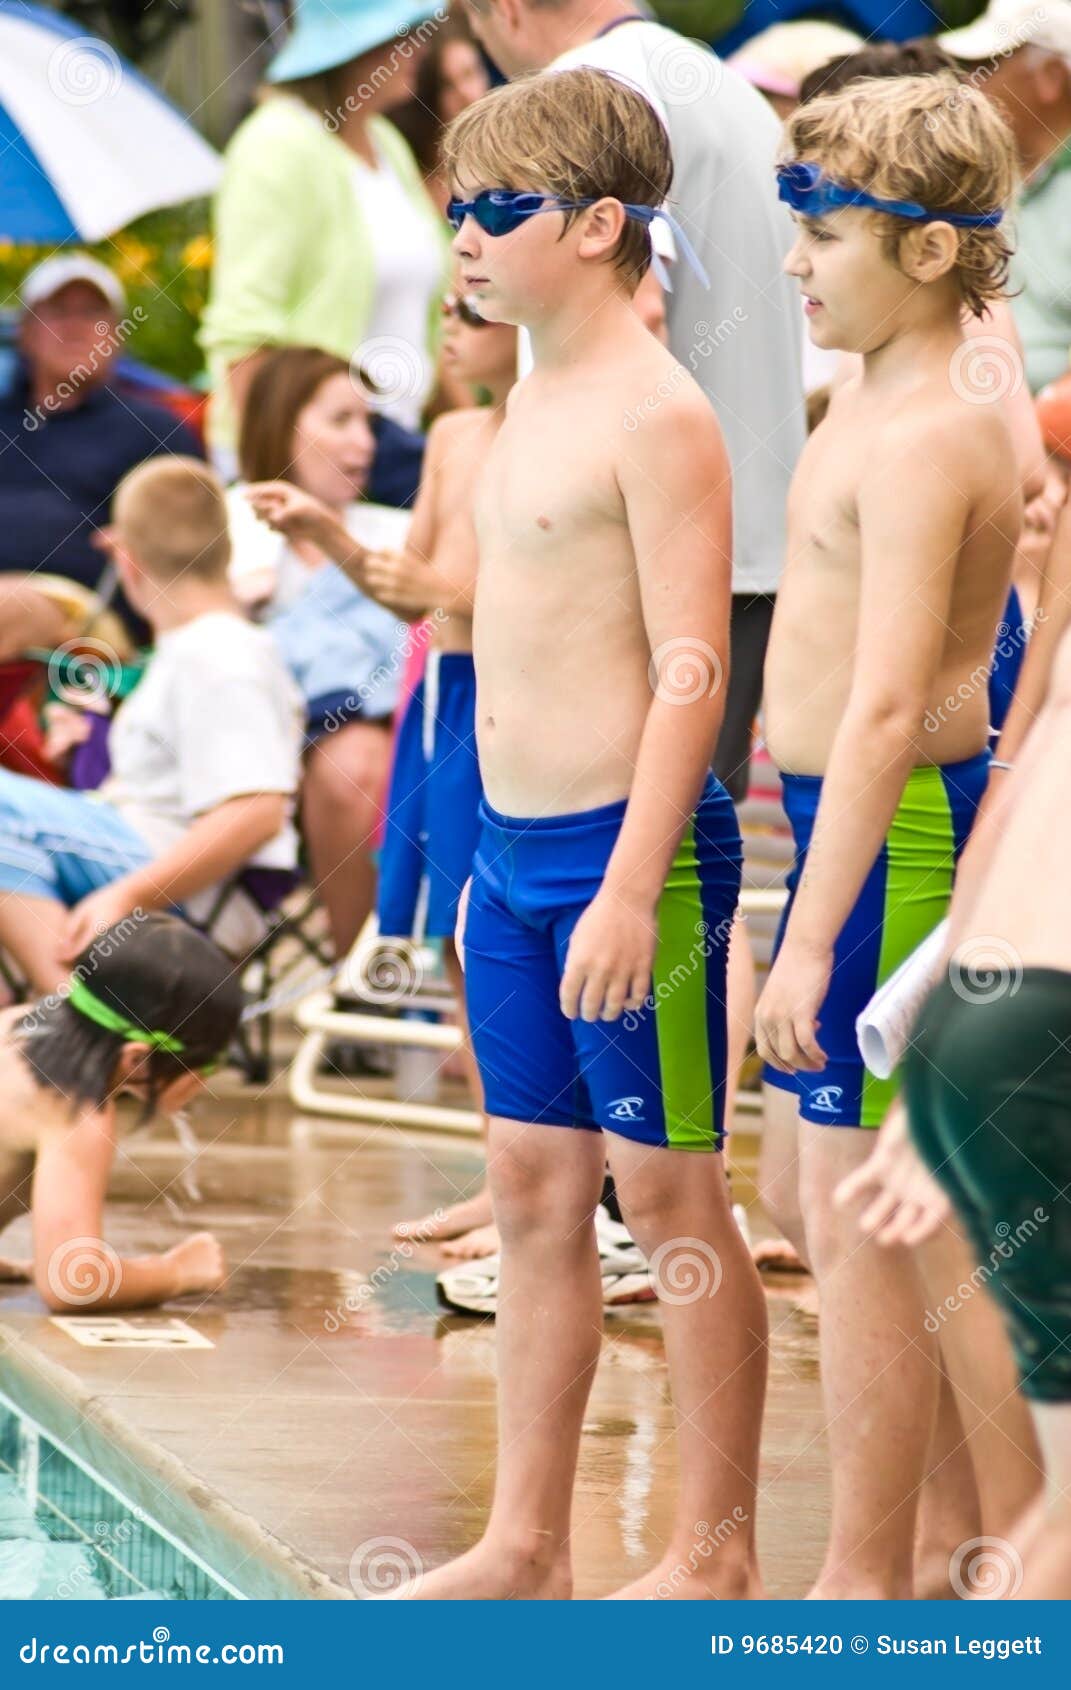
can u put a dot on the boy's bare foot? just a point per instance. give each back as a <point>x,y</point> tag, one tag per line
<point>490,1574</point>
<point>199,1264</point>
<point>691,1576</point>
<point>14,1272</point>
<point>777,1255</point>
<point>449,1223</point>
<point>471,1246</point>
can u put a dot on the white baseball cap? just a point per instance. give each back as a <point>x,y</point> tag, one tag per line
<point>47,278</point>
<point>1006,25</point>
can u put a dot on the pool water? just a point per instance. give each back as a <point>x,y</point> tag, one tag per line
<point>65,1535</point>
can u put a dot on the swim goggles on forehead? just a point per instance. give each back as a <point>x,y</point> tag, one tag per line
<point>88,1004</point>
<point>499,211</point>
<point>809,191</point>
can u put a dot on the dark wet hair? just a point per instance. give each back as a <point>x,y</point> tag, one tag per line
<point>155,971</point>
<point>921,57</point>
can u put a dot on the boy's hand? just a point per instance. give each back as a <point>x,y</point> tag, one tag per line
<point>907,1205</point>
<point>786,1018</point>
<point>609,960</point>
<point>289,511</point>
<point>89,918</point>
<point>396,582</point>
<point>198,1263</point>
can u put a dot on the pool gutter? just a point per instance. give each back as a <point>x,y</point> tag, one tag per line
<point>243,1554</point>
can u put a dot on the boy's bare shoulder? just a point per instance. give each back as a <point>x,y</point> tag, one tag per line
<point>955,434</point>
<point>456,430</point>
<point>670,408</point>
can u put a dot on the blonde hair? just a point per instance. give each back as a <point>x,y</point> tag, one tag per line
<point>574,134</point>
<point>171,514</point>
<point>931,139</point>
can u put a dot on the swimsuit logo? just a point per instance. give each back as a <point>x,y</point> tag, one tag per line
<point>627,1109</point>
<point>827,1097</point>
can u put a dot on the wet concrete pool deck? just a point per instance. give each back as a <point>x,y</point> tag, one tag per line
<point>331,1416</point>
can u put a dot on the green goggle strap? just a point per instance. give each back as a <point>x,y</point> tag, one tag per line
<point>83,1000</point>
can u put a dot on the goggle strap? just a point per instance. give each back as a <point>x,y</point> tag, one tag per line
<point>88,1004</point>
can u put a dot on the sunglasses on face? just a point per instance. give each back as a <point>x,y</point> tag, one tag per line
<point>453,306</point>
<point>499,211</point>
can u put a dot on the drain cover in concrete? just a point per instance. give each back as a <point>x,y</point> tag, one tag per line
<point>99,1331</point>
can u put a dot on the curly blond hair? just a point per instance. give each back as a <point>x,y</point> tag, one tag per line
<point>931,139</point>
<point>575,134</point>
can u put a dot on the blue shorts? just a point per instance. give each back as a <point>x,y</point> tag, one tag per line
<point>433,809</point>
<point>59,844</point>
<point>904,897</point>
<point>656,1075</point>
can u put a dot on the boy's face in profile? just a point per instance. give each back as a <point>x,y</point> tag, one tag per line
<point>515,278</point>
<point>854,293</point>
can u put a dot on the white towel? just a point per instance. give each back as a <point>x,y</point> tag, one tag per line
<point>884,1027</point>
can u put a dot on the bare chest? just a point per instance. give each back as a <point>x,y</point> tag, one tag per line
<point>546,491</point>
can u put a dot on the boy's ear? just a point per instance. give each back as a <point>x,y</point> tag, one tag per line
<point>603,224</point>
<point>928,251</point>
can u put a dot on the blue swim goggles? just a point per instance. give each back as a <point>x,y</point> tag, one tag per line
<point>807,190</point>
<point>499,211</point>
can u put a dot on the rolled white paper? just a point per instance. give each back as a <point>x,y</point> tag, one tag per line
<point>884,1027</point>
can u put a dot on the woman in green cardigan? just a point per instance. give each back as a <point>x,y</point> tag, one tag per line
<point>324,233</point>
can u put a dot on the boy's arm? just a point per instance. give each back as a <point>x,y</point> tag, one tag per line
<point>408,582</point>
<point>678,502</point>
<point>909,545</point>
<point>213,848</point>
<point>74,1269</point>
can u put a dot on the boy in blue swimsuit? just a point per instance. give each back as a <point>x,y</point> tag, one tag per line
<point>608,866</point>
<point>903,518</point>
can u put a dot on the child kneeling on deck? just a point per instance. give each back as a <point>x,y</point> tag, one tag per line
<point>149,1009</point>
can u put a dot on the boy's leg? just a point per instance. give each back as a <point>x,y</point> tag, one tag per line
<point>342,793</point>
<point>779,1173</point>
<point>479,1235</point>
<point>545,1183</point>
<point>1046,1557</point>
<point>949,1513</point>
<point>880,1373</point>
<point>676,1205</point>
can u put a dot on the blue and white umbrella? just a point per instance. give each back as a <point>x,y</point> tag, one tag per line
<point>86,143</point>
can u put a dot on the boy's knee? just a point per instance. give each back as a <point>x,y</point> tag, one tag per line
<point>528,1201</point>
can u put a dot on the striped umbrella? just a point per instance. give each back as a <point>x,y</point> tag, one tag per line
<point>86,143</point>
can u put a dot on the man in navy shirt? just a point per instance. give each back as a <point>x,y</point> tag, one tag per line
<point>68,434</point>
